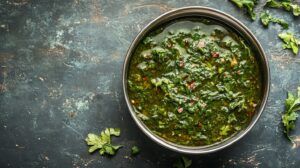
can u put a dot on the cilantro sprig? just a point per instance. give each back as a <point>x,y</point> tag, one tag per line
<point>286,5</point>
<point>103,141</point>
<point>248,5</point>
<point>290,116</point>
<point>267,18</point>
<point>290,41</point>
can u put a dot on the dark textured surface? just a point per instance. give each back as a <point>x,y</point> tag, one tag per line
<point>60,78</point>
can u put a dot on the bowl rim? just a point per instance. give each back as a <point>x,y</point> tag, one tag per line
<point>233,23</point>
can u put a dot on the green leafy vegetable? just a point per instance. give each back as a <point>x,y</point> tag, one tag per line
<point>273,4</point>
<point>183,162</point>
<point>225,129</point>
<point>290,41</point>
<point>248,4</point>
<point>286,5</point>
<point>135,150</point>
<point>266,18</point>
<point>292,104</point>
<point>103,141</point>
<point>291,7</point>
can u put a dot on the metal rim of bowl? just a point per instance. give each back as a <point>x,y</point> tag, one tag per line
<point>224,19</point>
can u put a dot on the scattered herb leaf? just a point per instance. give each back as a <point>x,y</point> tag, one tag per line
<point>273,4</point>
<point>291,7</point>
<point>266,18</point>
<point>183,162</point>
<point>248,4</point>
<point>286,5</point>
<point>290,41</point>
<point>103,141</point>
<point>135,150</point>
<point>292,104</point>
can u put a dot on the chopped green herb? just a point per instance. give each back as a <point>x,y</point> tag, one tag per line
<point>205,87</point>
<point>183,162</point>
<point>225,129</point>
<point>103,141</point>
<point>291,7</point>
<point>290,41</point>
<point>135,150</point>
<point>286,5</point>
<point>266,18</point>
<point>273,4</point>
<point>248,4</point>
<point>292,104</point>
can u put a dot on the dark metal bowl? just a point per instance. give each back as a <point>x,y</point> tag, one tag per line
<point>223,19</point>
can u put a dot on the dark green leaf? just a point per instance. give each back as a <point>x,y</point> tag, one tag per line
<point>135,150</point>
<point>183,162</point>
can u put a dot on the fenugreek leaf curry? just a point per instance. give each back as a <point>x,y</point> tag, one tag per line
<point>194,82</point>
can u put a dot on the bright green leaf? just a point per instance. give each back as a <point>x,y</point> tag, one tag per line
<point>248,5</point>
<point>266,18</point>
<point>225,129</point>
<point>183,162</point>
<point>103,142</point>
<point>115,131</point>
<point>286,5</point>
<point>273,4</point>
<point>289,41</point>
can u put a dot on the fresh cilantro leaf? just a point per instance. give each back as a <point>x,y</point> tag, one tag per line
<point>286,5</point>
<point>135,150</point>
<point>273,4</point>
<point>225,129</point>
<point>290,116</point>
<point>248,4</point>
<point>103,142</point>
<point>290,41</point>
<point>291,7</point>
<point>115,131</point>
<point>183,162</point>
<point>266,18</point>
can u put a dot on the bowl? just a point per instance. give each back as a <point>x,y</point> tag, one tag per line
<point>224,19</point>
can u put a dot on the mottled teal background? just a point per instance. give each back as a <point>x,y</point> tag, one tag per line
<point>60,78</point>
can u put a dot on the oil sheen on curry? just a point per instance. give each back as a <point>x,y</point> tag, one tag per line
<point>194,82</point>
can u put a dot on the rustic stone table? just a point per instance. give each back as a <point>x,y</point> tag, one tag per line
<point>60,78</point>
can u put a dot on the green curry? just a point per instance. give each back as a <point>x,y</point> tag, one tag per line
<point>194,82</point>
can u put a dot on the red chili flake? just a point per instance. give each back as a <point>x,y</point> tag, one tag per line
<point>180,110</point>
<point>145,78</point>
<point>191,86</point>
<point>199,125</point>
<point>215,54</point>
<point>250,114</point>
<point>181,64</point>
